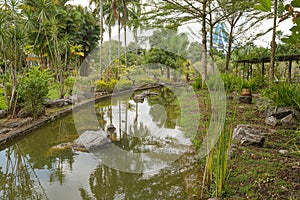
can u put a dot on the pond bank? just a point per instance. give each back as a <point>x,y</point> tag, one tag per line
<point>11,129</point>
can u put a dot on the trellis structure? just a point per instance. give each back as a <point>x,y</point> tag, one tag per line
<point>281,58</point>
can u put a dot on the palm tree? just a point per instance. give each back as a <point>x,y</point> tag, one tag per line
<point>110,21</point>
<point>135,24</point>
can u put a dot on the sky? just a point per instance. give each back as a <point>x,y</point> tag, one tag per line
<point>262,41</point>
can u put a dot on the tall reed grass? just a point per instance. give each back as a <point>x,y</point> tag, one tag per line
<point>216,165</point>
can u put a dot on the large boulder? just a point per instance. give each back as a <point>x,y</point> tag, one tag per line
<point>247,135</point>
<point>91,140</point>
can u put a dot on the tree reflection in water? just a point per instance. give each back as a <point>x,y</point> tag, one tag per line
<point>18,179</point>
<point>108,183</point>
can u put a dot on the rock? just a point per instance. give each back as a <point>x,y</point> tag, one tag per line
<point>283,152</point>
<point>271,121</point>
<point>139,98</point>
<point>3,114</point>
<point>282,112</point>
<point>214,198</point>
<point>246,135</point>
<point>289,121</point>
<point>91,140</point>
<point>4,131</point>
<point>245,99</point>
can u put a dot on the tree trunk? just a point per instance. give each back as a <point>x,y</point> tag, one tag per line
<point>228,55</point>
<point>101,36</point>
<point>125,32</point>
<point>211,43</point>
<point>119,45</point>
<point>204,45</point>
<point>273,43</point>
<point>135,34</point>
<point>109,48</point>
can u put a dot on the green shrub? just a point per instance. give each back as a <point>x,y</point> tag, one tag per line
<point>283,95</point>
<point>233,83</point>
<point>33,90</point>
<point>69,83</point>
<point>2,100</point>
<point>105,86</point>
<point>197,83</point>
<point>53,92</point>
<point>256,83</point>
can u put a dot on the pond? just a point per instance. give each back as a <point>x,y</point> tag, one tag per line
<point>31,168</point>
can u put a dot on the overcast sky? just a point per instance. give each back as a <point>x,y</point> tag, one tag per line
<point>263,41</point>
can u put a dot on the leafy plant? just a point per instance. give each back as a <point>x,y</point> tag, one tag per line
<point>197,83</point>
<point>33,90</point>
<point>2,100</point>
<point>284,95</point>
<point>69,83</point>
<point>105,86</point>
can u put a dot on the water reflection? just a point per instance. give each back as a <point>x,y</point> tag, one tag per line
<point>31,169</point>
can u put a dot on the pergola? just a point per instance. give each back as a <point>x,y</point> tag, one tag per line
<point>280,58</point>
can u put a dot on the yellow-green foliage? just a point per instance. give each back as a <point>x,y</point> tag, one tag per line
<point>2,100</point>
<point>105,86</point>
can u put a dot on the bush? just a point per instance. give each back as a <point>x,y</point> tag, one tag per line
<point>105,86</point>
<point>197,83</point>
<point>233,83</point>
<point>256,83</point>
<point>283,95</point>
<point>53,92</point>
<point>2,100</point>
<point>33,90</point>
<point>69,83</point>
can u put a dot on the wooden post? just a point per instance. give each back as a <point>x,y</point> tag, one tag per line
<point>251,70</point>
<point>290,71</point>
<point>248,71</point>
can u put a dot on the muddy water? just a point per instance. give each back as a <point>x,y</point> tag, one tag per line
<point>31,169</point>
